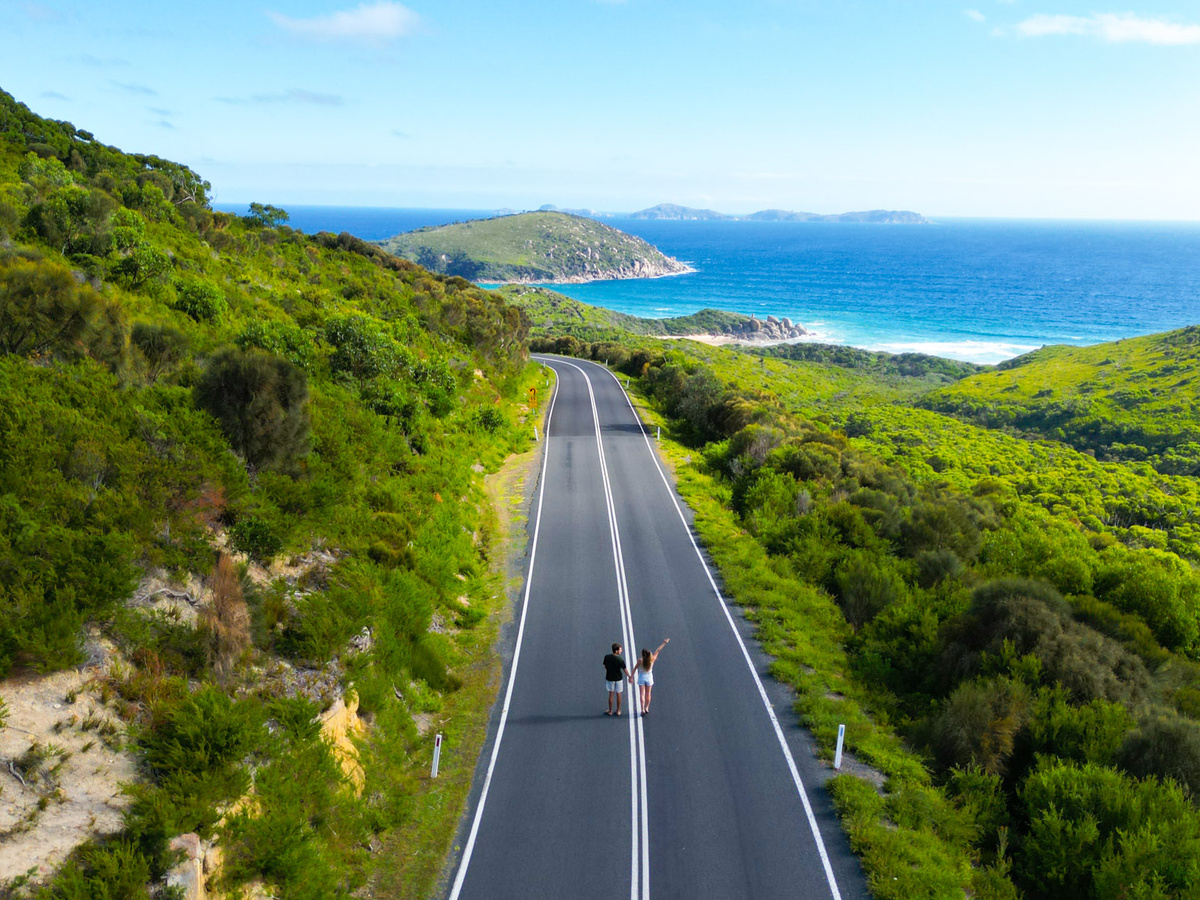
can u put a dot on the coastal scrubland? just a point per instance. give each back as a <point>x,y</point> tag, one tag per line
<point>241,495</point>
<point>241,492</point>
<point>999,600</point>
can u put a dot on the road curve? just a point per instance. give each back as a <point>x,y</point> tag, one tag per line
<point>708,796</point>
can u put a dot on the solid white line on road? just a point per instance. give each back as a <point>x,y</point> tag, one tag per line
<point>635,721</point>
<point>512,676</point>
<point>762,691</point>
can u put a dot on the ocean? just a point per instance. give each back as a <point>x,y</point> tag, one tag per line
<point>977,290</point>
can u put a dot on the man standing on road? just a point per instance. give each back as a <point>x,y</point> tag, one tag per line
<point>614,677</point>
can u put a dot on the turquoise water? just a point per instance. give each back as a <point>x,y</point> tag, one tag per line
<point>980,290</point>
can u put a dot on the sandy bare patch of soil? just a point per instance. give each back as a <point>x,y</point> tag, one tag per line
<point>61,767</point>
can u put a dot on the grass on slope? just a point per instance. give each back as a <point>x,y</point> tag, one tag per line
<point>1133,400</point>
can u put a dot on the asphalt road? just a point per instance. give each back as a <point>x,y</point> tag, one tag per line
<point>710,795</point>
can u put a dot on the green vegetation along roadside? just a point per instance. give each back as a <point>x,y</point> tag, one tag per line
<point>1007,626</point>
<point>546,247</point>
<point>251,462</point>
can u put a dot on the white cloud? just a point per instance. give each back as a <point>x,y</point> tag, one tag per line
<point>974,15</point>
<point>375,23</point>
<point>1116,28</point>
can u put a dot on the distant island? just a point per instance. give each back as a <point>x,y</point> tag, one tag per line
<point>866,217</point>
<point>544,247</point>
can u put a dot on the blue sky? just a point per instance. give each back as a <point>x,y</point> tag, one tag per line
<point>1027,108</point>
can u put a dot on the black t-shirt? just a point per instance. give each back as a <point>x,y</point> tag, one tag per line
<point>614,667</point>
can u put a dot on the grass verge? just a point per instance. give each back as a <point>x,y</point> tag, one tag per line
<point>417,857</point>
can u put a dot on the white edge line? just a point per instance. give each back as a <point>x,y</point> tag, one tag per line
<point>762,691</point>
<point>637,747</point>
<point>512,677</point>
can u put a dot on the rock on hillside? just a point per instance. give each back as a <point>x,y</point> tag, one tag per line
<point>545,247</point>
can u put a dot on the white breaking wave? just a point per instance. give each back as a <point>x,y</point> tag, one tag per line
<point>988,352</point>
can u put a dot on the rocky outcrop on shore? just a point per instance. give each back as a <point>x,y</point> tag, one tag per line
<point>766,330</point>
<point>634,268</point>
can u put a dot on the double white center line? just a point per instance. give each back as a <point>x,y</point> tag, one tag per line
<point>637,740</point>
<point>639,887</point>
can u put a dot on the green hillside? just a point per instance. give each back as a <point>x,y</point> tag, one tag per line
<point>552,313</point>
<point>1131,400</point>
<point>543,247</point>
<point>292,432</point>
<point>1007,625</point>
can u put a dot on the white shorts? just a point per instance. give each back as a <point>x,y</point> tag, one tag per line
<point>615,687</point>
<point>645,678</point>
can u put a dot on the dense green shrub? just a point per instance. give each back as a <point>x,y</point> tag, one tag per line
<point>1166,747</point>
<point>288,341</point>
<point>161,346</point>
<point>45,311</point>
<point>865,587</point>
<point>200,300</point>
<point>1093,732</point>
<point>141,265</point>
<point>1097,834</point>
<point>1015,618</point>
<point>1159,587</point>
<point>256,537</point>
<point>74,220</point>
<point>978,724</point>
<point>197,746</point>
<point>113,871</point>
<point>260,402</point>
<point>363,348</point>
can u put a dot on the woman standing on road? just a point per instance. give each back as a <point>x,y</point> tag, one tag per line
<point>643,671</point>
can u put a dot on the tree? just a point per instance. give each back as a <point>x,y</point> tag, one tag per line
<point>266,216</point>
<point>144,263</point>
<point>74,220</point>
<point>260,402</point>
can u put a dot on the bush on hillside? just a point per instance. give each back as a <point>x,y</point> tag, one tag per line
<point>1014,619</point>
<point>1098,834</point>
<point>200,300</point>
<point>162,347</point>
<point>1166,747</point>
<point>260,402</point>
<point>979,723</point>
<point>46,311</point>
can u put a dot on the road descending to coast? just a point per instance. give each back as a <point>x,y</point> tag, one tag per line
<point>708,796</point>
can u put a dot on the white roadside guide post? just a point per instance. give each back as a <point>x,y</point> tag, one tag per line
<point>837,756</point>
<point>659,433</point>
<point>437,755</point>
<point>535,437</point>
